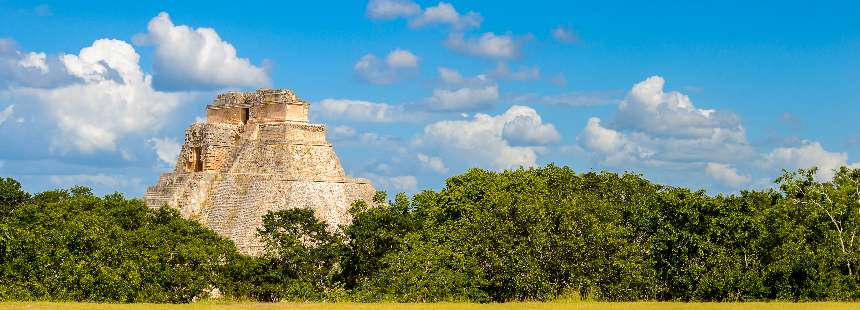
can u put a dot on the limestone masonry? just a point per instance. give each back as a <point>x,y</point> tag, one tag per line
<point>256,153</point>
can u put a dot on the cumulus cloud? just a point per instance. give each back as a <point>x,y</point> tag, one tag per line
<point>613,147</point>
<point>529,129</point>
<point>808,154</point>
<point>488,45</point>
<point>397,65</point>
<point>653,127</point>
<point>726,174</point>
<point>481,141</point>
<point>432,163</point>
<point>463,99</point>
<point>664,132</point>
<point>391,9</point>
<point>196,58</point>
<point>565,34</point>
<point>649,109</point>
<point>113,97</point>
<point>6,113</point>
<point>167,149</point>
<point>445,13</point>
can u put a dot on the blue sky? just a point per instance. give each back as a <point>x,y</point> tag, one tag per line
<point>719,95</point>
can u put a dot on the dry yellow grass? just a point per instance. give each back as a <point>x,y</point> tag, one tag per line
<point>437,306</point>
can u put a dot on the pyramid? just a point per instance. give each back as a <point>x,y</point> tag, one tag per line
<point>257,153</point>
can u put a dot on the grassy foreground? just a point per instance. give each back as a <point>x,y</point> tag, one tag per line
<point>438,306</point>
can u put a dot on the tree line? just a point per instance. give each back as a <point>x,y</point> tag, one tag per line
<point>527,234</point>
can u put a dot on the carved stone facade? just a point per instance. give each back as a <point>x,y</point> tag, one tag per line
<point>257,153</point>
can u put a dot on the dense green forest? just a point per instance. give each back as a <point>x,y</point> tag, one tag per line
<point>527,234</point>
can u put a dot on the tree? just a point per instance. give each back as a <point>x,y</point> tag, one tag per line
<point>11,195</point>
<point>302,256</point>
<point>837,202</point>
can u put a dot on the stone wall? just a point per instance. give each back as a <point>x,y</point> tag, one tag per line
<point>224,115</point>
<point>262,106</point>
<point>272,113</point>
<point>277,133</point>
<point>215,142</point>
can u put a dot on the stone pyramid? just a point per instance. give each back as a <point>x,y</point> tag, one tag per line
<point>256,153</point>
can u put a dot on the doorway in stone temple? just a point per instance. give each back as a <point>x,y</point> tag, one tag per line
<point>198,159</point>
<point>245,115</point>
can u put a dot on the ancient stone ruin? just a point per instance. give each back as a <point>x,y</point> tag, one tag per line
<point>256,153</point>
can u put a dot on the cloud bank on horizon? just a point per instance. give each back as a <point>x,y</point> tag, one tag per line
<point>110,115</point>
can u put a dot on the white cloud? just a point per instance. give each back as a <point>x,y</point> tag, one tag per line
<point>390,9</point>
<point>445,13</point>
<point>529,129</point>
<point>397,65</point>
<point>726,174</point>
<point>341,133</point>
<point>612,147</point>
<point>6,113</point>
<point>189,58</point>
<point>502,71</point>
<point>808,154</point>
<point>114,97</point>
<point>488,45</point>
<point>29,69</point>
<point>34,61</point>
<point>435,164</point>
<point>453,78</point>
<point>167,149</point>
<point>480,141</point>
<point>466,98</point>
<point>399,59</point>
<point>598,138</point>
<point>450,76</point>
<point>653,128</point>
<point>565,34</point>
<point>370,69</point>
<point>649,109</point>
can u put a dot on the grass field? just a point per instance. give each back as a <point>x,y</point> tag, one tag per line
<point>439,306</point>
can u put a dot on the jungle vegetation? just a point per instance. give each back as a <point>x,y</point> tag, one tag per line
<point>534,234</point>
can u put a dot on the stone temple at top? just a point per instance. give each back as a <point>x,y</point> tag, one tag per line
<point>257,153</point>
